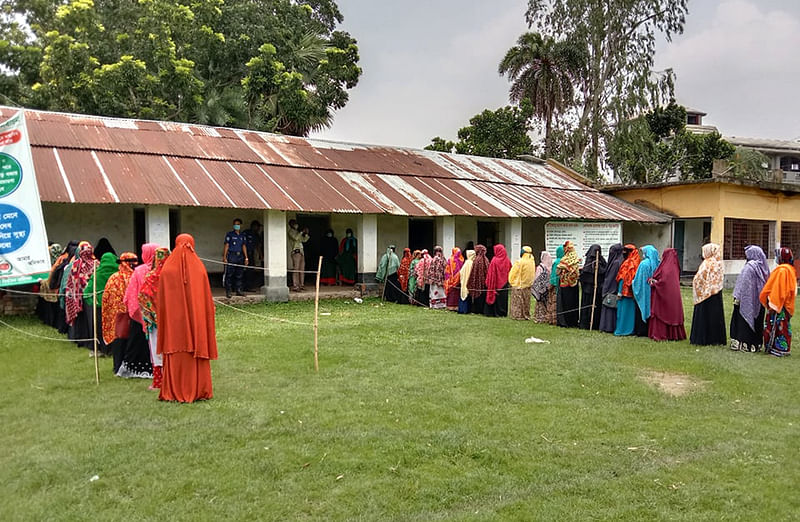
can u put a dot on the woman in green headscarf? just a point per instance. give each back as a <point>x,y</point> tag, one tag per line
<point>387,274</point>
<point>108,266</point>
<point>552,295</point>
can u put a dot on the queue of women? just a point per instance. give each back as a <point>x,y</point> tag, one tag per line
<point>156,318</point>
<point>633,292</point>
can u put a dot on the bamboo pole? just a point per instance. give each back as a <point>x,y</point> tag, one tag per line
<point>316,318</point>
<point>94,326</point>
<point>594,290</point>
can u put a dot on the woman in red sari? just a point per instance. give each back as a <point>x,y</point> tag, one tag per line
<point>187,337</point>
<point>404,271</point>
<point>497,284</point>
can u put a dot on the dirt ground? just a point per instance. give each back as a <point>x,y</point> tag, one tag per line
<point>674,384</point>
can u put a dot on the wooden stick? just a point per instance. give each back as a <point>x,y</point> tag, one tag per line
<point>594,290</point>
<point>94,327</point>
<point>316,318</point>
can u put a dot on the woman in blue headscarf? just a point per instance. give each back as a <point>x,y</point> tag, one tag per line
<point>641,286</point>
<point>555,282</point>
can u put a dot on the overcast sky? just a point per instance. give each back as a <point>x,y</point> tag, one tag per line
<point>431,65</point>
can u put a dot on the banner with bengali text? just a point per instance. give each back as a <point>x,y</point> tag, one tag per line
<point>24,257</point>
<point>582,234</point>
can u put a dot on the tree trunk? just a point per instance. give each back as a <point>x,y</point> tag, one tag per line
<point>548,126</point>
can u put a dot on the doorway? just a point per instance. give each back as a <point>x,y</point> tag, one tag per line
<point>139,231</point>
<point>678,239</point>
<point>421,234</point>
<point>488,236</point>
<point>312,249</point>
<point>174,225</point>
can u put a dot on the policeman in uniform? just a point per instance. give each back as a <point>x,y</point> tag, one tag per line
<point>234,256</point>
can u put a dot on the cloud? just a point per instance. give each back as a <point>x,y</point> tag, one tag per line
<point>428,68</point>
<point>741,67</point>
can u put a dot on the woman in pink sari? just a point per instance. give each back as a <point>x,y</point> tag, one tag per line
<point>452,279</point>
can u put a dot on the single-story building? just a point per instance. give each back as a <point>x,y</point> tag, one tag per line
<point>732,213</point>
<point>135,180</point>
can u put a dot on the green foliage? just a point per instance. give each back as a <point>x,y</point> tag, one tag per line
<point>502,133</point>
<point>656,146</point>
<point>544,72</point>
<point>403,423</point>
<point>749,164</point>
<point>619,82</point>
<point>667,120</point>
<point>632,152</point>
<point>700,152</point>
<point>274,65</point>
<point>441,145</point>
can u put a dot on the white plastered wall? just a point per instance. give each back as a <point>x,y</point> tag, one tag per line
<point>66,221</point>
<point>658,235</point>
<point>392,230</point>
<point>533,235</point>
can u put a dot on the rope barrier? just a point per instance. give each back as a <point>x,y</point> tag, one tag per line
<point>486,290</point>
<point>25,292</point>
<point>259,268</point>
<point>276,319</point>
<point>43,336</point>
<point>216,301</point>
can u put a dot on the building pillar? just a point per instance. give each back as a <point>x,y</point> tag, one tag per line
<point>275,244</point>
<point>512,237</point>
<point>367,234</point>
<point>718,229</point>
<point>156,218</point>
<point>446,233</point>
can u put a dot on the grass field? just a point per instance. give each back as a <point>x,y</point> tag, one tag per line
<point>414,415</point>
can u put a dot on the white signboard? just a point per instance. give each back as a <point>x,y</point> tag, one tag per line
<point>582,235</point>
<point>24,257</point>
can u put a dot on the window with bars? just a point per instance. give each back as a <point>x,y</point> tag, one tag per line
<point>742,232</point>
<point>790,235</point>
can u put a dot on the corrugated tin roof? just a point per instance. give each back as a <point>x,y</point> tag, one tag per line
<point>90,159</point>
<point>765,143</point>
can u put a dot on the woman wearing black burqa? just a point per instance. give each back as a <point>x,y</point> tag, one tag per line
<point>591,294</point>
<point>329,250</point>
<point>103,246</point>
<point>608,311</point>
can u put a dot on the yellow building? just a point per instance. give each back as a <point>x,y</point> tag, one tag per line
<point>732,213</point>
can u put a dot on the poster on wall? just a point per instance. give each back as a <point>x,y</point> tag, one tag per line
<point>23,240</point>
<point>582,234</point>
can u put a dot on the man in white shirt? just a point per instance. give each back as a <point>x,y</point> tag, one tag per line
<point>296,239</point>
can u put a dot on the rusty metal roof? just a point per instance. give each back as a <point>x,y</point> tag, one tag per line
<point>92,159</point>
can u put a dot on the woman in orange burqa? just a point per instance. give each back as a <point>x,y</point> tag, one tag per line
<point>187,337</point>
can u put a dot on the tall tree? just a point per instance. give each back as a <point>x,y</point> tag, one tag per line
<point>274,65</point>
<point>620,36</point>
<point>657,147</point>
<point>502,133</point>
<point>544,71</point>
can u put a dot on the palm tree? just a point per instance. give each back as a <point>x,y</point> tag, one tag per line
<point>544,71</point>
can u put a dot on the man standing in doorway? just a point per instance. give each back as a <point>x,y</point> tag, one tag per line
<point>297,237</point>
<point>234,256</point>
<point>253,240</point>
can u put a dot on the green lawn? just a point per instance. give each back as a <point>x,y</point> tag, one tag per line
<point>414,415</point>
